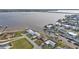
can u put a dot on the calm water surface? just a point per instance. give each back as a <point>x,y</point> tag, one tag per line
<point>34,20</point>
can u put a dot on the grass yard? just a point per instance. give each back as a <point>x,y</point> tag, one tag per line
<point>22,44</point>
<point>38,42</point>
<point>17,34</point>
<point>60,43</point>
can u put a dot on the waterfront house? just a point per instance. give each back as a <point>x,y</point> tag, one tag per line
<point>50,42</point>
<point>49,26</point>
<point>35,34</point>
<point>58,24</point>
<point>30,31</point>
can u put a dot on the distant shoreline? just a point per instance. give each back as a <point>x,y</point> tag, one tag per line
<point>13,30</point>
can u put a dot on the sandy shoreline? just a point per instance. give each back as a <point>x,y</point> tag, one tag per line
<point>13,30</point>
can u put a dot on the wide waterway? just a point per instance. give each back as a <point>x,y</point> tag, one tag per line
<point>33,20</point>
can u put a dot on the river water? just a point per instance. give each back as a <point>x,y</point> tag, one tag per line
<point>33,20</point>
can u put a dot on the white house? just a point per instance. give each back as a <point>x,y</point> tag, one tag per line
<point>67,26</point>
<point>57,23</point>
<point>30,32</point>
<point>34,33</point>
<point>50,42</point>
<point>49,26</point>
<point>37,34</point>
<point>72,34</point>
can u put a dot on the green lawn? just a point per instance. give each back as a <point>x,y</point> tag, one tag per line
<point>22,44</point>
<point>17,34</point>
<point>60,43</point>
<point>38,42</point>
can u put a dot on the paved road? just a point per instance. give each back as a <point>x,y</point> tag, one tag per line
<point>32,42</point>
<point>11,39</point>
<point>68,43</point>
<point>24,36</point>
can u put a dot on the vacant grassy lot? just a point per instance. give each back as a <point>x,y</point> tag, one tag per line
<point>22,44</point>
